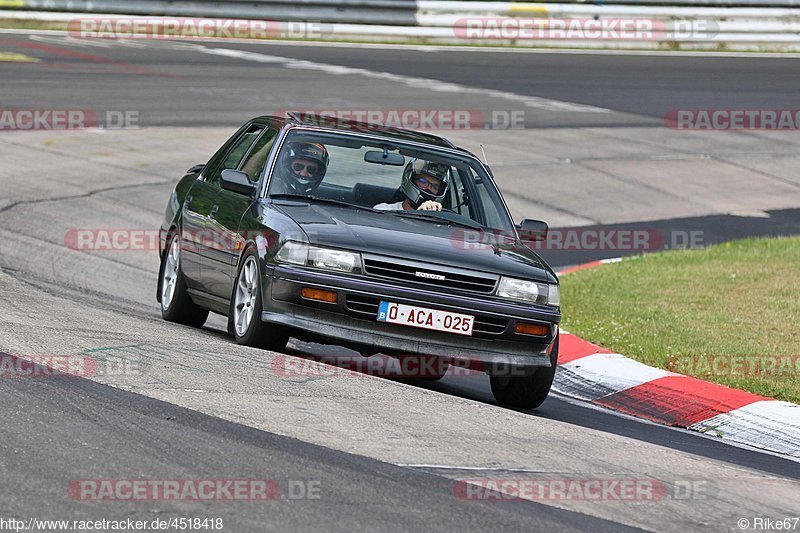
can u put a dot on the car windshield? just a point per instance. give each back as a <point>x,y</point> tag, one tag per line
<point>368,172</point>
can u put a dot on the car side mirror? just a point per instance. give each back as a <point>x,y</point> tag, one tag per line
<point>237,181</point>
<point>532,230</point>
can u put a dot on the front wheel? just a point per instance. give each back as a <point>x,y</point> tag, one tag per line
<point>245,315</point>
<point>527,392</point>
<point>176,304</point>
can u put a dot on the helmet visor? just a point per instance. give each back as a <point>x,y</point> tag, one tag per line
<point>305,168</point>
<point>429,183</point>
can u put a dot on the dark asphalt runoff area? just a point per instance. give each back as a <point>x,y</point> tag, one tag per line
<point>648,85</point>
<point>156,78</point>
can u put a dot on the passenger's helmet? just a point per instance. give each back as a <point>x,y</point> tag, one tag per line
<point>413,192</point>
<point>295,174</point>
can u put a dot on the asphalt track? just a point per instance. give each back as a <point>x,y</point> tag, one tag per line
<point>58,426</point>
<point>644,85</point>
<point>383,452</point>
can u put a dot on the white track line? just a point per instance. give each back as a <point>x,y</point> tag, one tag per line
<point>536,102</point>
<point>467,48</point>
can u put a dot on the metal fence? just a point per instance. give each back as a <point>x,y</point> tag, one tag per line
<point>674,26</point>
<point>392,12</point>
<point>353,11</point>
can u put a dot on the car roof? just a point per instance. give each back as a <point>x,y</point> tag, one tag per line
<point>350,126</point>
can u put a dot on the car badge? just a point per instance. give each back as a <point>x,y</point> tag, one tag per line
<point>429,275</point>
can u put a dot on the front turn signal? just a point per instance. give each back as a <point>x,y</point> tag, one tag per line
<point>531,329</point>
<point>319,295</point>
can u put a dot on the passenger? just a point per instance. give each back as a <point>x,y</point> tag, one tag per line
<point>424,185</point>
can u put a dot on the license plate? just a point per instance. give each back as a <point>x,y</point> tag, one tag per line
<point>422,317</point>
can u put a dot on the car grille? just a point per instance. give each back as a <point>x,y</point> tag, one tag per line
<point>408,272</point>
<point>367,307</point>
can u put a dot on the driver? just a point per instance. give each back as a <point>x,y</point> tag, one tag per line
<point>302,169</point>
<point>424,185</point>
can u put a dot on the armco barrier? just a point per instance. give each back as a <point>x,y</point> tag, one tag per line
<point>712,27</point>
<point>389,12</point>
<point>445,22</point>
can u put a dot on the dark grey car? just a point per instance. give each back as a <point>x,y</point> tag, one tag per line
<point>458,284</point>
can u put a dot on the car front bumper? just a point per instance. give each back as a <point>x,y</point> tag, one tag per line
<point>351,321</point>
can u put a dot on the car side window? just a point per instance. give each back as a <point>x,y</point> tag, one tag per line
<point>235,155</point>
<point>254,162</point>
<point>456,192</point>
<point>490,203</point>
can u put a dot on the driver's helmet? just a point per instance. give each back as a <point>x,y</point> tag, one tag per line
<point>304,166</point>
<point>417,169</point>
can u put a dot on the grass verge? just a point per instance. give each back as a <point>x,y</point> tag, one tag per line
<point>728,313</point>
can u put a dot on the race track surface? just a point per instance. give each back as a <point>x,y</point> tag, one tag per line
<point>384,453</point>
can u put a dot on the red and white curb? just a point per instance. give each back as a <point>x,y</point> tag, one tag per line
<point>591,264</point>
<point>593,374</point>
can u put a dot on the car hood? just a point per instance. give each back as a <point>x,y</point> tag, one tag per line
<point>423,240</point>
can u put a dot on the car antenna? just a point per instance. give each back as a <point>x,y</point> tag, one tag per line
<point>486,161</point>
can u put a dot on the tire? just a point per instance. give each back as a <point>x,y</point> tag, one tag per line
<point>432,377</point>
<point>246,306</point>
<point>528,392</point>
<point>176,304</point>
<point>437,372</point>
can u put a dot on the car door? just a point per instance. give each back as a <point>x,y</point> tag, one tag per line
<point>200,209</point>
<point>219,264</point>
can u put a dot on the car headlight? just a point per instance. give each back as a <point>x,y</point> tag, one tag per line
<point>299,253</point>
<point>293,252</point>
<point>529,291</point>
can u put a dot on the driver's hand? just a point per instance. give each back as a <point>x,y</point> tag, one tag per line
<point>430,205</point>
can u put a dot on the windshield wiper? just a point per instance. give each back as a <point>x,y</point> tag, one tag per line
<point>410,214</point>
<point>319,199</point>
<point>429,216</point>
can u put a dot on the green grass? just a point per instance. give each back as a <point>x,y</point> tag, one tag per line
<point>24,24</point>
<point>736,305</point>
